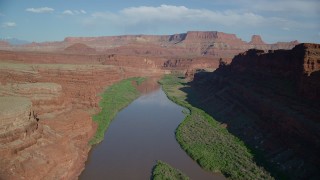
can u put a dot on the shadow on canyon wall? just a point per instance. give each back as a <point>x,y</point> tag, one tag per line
<point>271,102</point>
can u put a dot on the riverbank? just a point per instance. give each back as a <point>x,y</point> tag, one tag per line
<point>207,141</point>
<point>113,99</point>
<point>163,170</point>
<point>141,134</point>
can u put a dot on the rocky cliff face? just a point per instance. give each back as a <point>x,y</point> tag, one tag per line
<point>310,81</point>
<point>162,50</point>
<point>80,48</point>
<point>57,84</point>
<point>130,59</point>
<point>31,150</point>
<point>17,122</point>
<point>256,40</point>
<point>301,65</point>
<point>193,43</point>
<point>271,101</point>
<point>45,116</point>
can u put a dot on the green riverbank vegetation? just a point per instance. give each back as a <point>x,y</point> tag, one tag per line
<point>163,170</point>
<point>113,99</point>
<point>206,141</point>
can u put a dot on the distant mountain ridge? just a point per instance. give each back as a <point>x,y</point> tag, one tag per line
<point>193,43</point>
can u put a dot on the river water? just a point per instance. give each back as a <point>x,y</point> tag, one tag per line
<point>141,134</point>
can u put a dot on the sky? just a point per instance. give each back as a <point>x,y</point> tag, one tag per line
<point>53,20</point>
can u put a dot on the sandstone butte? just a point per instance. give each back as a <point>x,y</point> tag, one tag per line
<point>49,91</point>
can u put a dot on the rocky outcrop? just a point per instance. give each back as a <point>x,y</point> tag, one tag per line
<point>310,80</point>
<point>271,102</point>
<point>30,149</point>
<point>256,40</point>
<point>42,135</point>
<point>19,130</point>
<point>80,48</point>
<point>53,143</point>
<point>199,36</point>
<point>130,59</point>
<point>17,121</point>
<point>58,83</point>
<point>193,43</point>
<point>301,65</point>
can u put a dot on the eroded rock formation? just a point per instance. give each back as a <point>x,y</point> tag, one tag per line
<point>80,48</point>
<point>54,87</point>
<point>256,40</point>
<point>45,132</point>
<point>193,43</point>
<point>271,101</point>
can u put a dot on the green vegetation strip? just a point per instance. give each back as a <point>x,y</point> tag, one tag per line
<point>114,98</point>
<point>207,142</point>
<point>165,171</point>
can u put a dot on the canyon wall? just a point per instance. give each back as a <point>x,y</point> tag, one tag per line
<point>185,51</point>
<point>193,43</point>
<point>45,116</point>
<point>124,61</point>
<point>271,102</point>
<point>301,65</point>
<point>49,91</point>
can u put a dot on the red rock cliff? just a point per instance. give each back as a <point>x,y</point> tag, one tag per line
<point>193,43</point>
<point>256,40</point>
<point>271,102</point>
<point>301,64</point>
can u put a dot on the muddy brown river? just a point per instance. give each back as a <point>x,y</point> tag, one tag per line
<point>141,134</point>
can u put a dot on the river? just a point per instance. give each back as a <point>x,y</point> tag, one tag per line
<point>141,134</point>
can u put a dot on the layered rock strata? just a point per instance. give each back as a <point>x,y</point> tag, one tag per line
<point>58,84</point>
<point>193,43</point>
<point>45,134</point>
<point>270,101</point>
